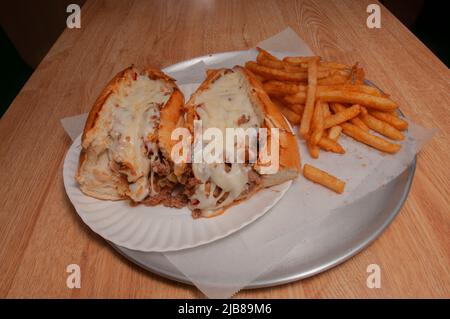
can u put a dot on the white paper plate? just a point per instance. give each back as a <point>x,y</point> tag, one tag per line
<point>160,228</point>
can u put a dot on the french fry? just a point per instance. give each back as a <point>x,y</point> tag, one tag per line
<point>381,127</point>
<point>294,68</point>
<point>278,88</point>
<point>359,76</point>
<point>299,60</point>
<point>323,178</point>
<point>313,149</point>
<point>264,58</point>
<point>310,98</point>
<point>393,113</point>
<point>342,116</point>
<point>352,97</point>
<point>276,74</point>
<point>298,98</point>
<point>351,87</point>
<point>393,120</point>
<point>335,65</point>
<point>333,79</point>
<point>326,109</point>
<point>297,108</point>
<point>269,63</point>
<point>356,120</point>
<point>330,146</point>
<point>267,54</point>
<point>334,133</point>
<point>344,72</point>
<point>320,67</point>
<point>364,111</point>
<point>291,116</point>
<point>369,139</point>
<point>259,77</point>
<point>317,124</point>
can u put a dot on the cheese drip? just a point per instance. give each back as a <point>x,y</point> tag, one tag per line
<point>225,104</point>
<point>132,117</point>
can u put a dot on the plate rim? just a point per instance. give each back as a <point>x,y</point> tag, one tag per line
<point>77,142</point>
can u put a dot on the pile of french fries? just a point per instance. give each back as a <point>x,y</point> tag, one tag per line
<point>326,99</point>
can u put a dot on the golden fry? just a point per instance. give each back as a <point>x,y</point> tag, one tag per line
<point>294,68</point>
<point>334,79</point>
<point>313,150</point>
<point>317,124</point>
<point>330,145</point>
<point>369,139</point>
<point>323,178</point>
<point>342,116</point>
<point>393,113</point>
<point>298,98</point>
<point>267,54</point>
<point>259,78</point>
<point>282,88</point>
<point>351,87</point>
<point>393,120</point>
<point>326,109</point>
<point>334,133</point>
<point>291,116</point>
<point>298,60</point>
<point>297,108</point>
<point>335,65</point>
<point>358,74</point>
<point>341,96</point>
<point>275,74</point>
<point>364,111</point>
<point>310,98</point>
<point>320,67</point>
<point>264,60</point>
<point>360,123</point>
<point>382,127</point>
<point>356,120</point>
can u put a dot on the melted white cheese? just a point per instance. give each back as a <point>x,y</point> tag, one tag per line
<point>131,116</point>
<point>225,102</point>
<point>223,105</point>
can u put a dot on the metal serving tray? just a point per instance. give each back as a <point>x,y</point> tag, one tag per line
<point>333,245</point>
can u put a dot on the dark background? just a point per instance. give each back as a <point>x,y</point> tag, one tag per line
<point>28,29</point>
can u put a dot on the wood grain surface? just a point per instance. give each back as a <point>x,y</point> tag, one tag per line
<point>40,233</point>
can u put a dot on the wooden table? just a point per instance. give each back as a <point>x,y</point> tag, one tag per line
<point>40,233</point>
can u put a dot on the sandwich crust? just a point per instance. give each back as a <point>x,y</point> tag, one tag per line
<point>289,154</point>
<point>289,158</point>
<point>106,182</point>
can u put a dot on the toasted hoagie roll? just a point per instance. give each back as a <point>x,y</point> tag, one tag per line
<point>126,143</point>
<point>234,98</point>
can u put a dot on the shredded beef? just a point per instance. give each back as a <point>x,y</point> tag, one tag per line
<point>254,179</point>
<point>161,168</point>
<point>189,182</point>
<point>167,197</point>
